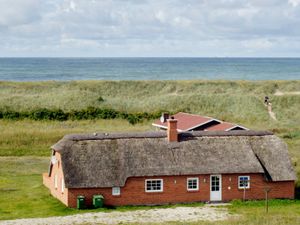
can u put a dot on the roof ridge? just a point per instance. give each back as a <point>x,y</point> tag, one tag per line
<point>162,134</point>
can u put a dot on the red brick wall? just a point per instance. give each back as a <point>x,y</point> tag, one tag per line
<point>282,189</point>
<point>49,181</point>
<point>175,190</point>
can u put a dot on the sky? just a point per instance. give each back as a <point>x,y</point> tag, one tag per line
<point>149,28</point>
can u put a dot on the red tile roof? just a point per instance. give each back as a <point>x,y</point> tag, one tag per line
<point>186,121</point>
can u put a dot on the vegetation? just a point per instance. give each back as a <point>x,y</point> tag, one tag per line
<point>34,138</point>
<point>239,101</point>
<point>54,109</point>
<point>83,114</point>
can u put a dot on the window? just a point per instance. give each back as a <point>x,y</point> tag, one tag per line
<point>62,185</point>
<point>215,182</point>
<point>116,191</point>
<point>244,181</point>
<point>193,184</point>
<point>55,181</point>
<point>154,185</point>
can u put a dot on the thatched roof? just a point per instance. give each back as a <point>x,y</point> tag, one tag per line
<point>107,160</point>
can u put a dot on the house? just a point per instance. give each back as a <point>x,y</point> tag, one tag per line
<point>169,167</point>
<point>193,122</point>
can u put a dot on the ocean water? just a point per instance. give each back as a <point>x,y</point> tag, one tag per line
<point>40,69</point>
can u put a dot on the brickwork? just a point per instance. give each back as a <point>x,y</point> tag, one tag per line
<point>172,130</point>
<point>50,181</point>
<point>175,191</point>
<point>230,190</point>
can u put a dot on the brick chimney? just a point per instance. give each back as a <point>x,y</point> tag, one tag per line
<point>172,130</point>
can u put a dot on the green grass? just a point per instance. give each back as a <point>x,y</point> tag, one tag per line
<point>23,142</point>
<point>34,138</point>
<point>22,193</point>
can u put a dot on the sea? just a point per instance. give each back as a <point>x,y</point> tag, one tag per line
<point>66,69</point>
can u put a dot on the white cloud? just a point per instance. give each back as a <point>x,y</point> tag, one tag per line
<point>18,12</point>
<point>294,3</point>
<point>149,28</point>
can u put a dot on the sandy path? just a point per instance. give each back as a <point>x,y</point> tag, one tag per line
<point>181,214</point>
<point>280,93</point>
<point>272,115</point>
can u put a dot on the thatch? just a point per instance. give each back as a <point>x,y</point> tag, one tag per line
<point>107,160</point>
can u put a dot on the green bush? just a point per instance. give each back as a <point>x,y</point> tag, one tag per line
<point>47,114</point>
<point>100,99</point>
<point>84,114</point>
<point>11,115</point>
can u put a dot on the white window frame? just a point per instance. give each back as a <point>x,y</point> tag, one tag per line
<point>62,185</point>
<point>187,184</point>
<point>55,181</point>
<point>248,184</point>
<point>161,185</point>
<point>116,191</point>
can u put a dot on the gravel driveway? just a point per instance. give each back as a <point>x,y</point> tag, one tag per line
<point>182,214</point>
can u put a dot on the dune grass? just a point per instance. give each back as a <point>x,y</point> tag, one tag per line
<point>239,101</point>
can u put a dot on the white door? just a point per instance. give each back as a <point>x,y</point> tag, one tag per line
<point>215,188</point>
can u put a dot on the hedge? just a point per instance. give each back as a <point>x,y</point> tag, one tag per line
<point>84,114</point>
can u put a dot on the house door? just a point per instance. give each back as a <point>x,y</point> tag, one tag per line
<point>215,188</point>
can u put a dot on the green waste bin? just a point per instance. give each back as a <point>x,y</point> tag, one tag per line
<point>80,202</point>
<point>98,201</point>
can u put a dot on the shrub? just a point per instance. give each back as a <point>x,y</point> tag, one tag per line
<point>11,115</point>
<point>100,99</point>
<point>88,113</point>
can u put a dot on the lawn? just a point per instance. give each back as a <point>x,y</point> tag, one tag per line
<point>22,193</point>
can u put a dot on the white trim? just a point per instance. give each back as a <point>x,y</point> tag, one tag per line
<point>116,191</point>
<point>62,185</point>
<point>235,126</point>
<point>248,184</point>
<point>161,185</point>
<point>187,184</point>
<point>220,186</point>
<point>165,127</point>
<point>160,126</point>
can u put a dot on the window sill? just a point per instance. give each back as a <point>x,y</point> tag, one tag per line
<point>241,189</point>
<point>193,190</point>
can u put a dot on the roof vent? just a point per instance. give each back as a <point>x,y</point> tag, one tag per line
<point>164,117</point>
